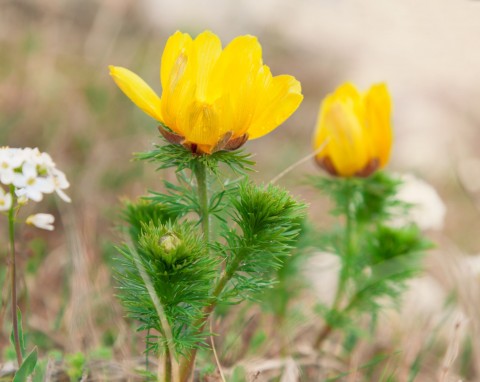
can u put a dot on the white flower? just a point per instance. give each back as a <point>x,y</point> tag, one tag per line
<point>30,184</point>
<point>33,174</point>
<point>10,159</point>
<point>5,200</point>
<point>60,183</point>
<point>43,221</point>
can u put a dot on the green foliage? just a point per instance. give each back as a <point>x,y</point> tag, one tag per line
<point>21,337</point>
<point>75,364</point>
<point>238,375</point>
<point>40,371</point>
<point>101,353</point>
<point>176,259</point>
<point>27,367</point>
<point>290,280</point>
<point>193,262</point>
<point>143,212</point>
<point>268,221</point>
<point>178,199</point>
<point>177,156</point>
<point>390,257</point>
<point>370,199</point>
<point>377,258</point>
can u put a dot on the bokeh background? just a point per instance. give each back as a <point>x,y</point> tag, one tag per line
<point>56,94</point>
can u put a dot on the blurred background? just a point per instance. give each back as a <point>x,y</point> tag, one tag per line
<point>56,94</point>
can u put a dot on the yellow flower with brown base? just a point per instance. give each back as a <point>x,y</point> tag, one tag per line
<point>356,131</point>
<point>213,99</point>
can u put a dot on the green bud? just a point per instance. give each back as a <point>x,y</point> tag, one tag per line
<point>169,242</point>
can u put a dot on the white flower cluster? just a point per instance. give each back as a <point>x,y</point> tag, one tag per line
<point>32,174</point>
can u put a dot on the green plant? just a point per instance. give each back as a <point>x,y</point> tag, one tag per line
<point>207,240</point>
<point>377,257</point>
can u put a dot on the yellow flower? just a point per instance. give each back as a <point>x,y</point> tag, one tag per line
<point>356,131</point>
<point>213,98</point>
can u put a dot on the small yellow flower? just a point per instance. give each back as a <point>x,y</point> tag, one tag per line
<point>356,130</point>
<point>213,98</point>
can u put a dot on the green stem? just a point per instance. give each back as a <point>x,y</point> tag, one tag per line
<point>186,367</point>
<point>11,230</point>
<point>348,258</point>
<point>167,370</point>
<point>202,188</point>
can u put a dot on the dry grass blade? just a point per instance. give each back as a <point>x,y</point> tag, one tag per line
<point>167,330</point>
<point>299,162</point>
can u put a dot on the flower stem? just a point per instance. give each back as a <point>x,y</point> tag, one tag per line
<point>202,188</point>
<point>186,367</point>
<point>348,258</point>
<point>200,171</point>
<point>11,230</point>
<point>167,371</point>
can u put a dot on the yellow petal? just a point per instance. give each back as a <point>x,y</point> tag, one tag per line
<point>138,91</point>
<point>177,45</point>
<point>178,82</point>
<point>378,113</point>
<point>201,124</point>
<point>348,147</point>
<point>280,97</point>
<point>347,92</point>
<point>240,59</point>
<point>233,80</point>
<point>207,48</point>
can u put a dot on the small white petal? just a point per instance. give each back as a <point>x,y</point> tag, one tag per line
<point>19,180</point>
<point>43,221</point>
<point>63,195</point>
<point>6,176</point>
<point>30,193</point>
<point>45,185</point>
<point>5,201</point>
<point>29,170</point>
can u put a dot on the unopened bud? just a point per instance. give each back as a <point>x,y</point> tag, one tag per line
<point>169,242</point>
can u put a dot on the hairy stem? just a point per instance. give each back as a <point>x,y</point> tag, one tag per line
<point>348,258</point>
<point>202,188</point>
<point>167,370</point>
<point>13,270</point>
<point>186,367</point>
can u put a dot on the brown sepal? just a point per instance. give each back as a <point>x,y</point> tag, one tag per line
<point>171,136</point>
<point>236,143</point>
<point>327,164</point>
<point>225,143</point>
<point>369,169</point>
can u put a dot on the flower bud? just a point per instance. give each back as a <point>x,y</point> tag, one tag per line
<point>356,129</point>
<point>169,242</point>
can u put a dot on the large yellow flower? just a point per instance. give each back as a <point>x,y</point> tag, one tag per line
<point>356,131</point>
<point>213,99</point>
